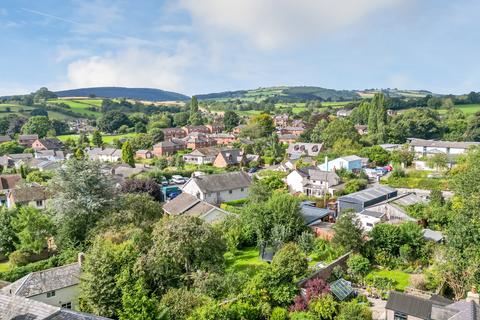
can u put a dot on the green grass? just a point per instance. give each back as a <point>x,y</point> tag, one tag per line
<point>466,108</point>
<point>401,278</point>
<point>106,138</point>
<point>80,106</point>
<point>416,179</point>
<point>245,260</point>
<point>4,266</point>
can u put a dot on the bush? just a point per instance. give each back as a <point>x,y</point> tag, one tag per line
<point>19,272</point>
<point>19,258</point>
<point>279,314</point>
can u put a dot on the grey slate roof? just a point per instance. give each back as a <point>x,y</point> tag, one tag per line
<point>187,204</point>
<point>19,308</point>
<point>39,282</point>
<point>223,181</point>
<point>5,139</point>
<point>311,214</point>
<point>310,149</point>
<point>51,143</point>
<point>313,173</point>
<point>442,144</point>
<point>370,194</point>
<point>411,305</point>
<point>433,235</point>
<point>374,214</point>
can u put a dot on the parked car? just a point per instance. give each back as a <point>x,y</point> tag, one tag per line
<point>164,181</point>
<point>178,179</point>
<point>253,170</point>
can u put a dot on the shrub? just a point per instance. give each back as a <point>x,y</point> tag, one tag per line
<point>19,258</point>
<point>279,314</point>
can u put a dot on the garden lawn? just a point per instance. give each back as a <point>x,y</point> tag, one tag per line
<point>4,266</point>
<point>106,139</point>
<point>416,179</point>
<point>402,279</point>
<point>245,260</point>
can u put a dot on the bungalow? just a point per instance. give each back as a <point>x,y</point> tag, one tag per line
<point>360,200</point>
<point>16,307</point>
<point>197,140</point>
<point>349,163</point>
<point>426,148</point>
<point>57,287</point>
<point>299,149</point>
<point>27,140</point>
<point>186,204</point>
<point>202,156</point>
<point>52,155</point>
<point>402,306</point>
<point>105,155</point>
<point>170,133</point>
<point>33,195</point>
<point>168,147</point>
<point>47,144</point>
<point>313,182</point>
<point>223,138</point>
<point>198,129</point>
<point>218,188</point>
<point>144,154</point>
<point>229,157</point>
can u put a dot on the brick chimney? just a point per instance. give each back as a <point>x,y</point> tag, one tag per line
<point>473,295</point>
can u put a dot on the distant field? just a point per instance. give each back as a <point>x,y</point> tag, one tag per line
<point>106,138</point>
<point>25,111</point>
<point>467,108</point>
<point>81,106</point>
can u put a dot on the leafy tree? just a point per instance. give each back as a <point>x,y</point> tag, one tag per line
<point>83,193</point>
<point>181,119</point>
<point>438,161</point>
<point>421,123</point>
<point>44,94</point>
<point>279,314</point>
<point>32,228</point>
<point>402,156</point>
<point>386,237</point>
<point>289,263</point>
<point>11,147</point>
<point>181,302</point>
<point>60,127</point>
<point>377,118</point>
<point>339,129</point>
<point>128,156</point>
<point>348,232</point>
<point>358,266</point>
<point>230,120</point>
<point>8,237</point>
<point>195,115</point>
<point>324,308</point>
<point>37,125</point>
<point>316,135</point>
<point>99,291</point>
<point>137,304</point>
<point>140,128</point>
<point>352,310</point>
<point>39,112</point>
<point>181,246</point>
<point>97,139</point>
<point>376,154</point>
<point>147,186</point>
<point>264,122</point>
<point>111,121</point>
<point>157,135</point>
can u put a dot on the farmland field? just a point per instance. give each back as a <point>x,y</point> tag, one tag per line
<point>466,108</point>
<point>25,111</point>
<point>81,106</point>
<point>106,138</point>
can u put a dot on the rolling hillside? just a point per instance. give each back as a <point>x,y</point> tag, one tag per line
<point>284,94</point>
<point>146,94</point>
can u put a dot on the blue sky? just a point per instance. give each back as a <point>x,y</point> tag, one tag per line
<point>193,46</point>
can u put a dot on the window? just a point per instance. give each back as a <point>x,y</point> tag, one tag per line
<point>230,191</point>
<point>39,203</point>
<point>399,316</point>
<point>241,189</point>
<point>369,224</point>
<point>67,305</point>
<point>51,294</point>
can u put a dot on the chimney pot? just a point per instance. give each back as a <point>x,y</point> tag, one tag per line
<point>81,258</point>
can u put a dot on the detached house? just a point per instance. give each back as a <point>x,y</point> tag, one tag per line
<point>197,140</point>
<point>34,195</point>
<point>215,127</point>
<point>186,204</point>
<point>426,148</point>
<point>105,155</point>
<point>168,147</point>
<point>229,157</point>
<point>55,286</point>
<point>313,182</point>
<point>201,156</point>
<point>47,144</point>
<point>218,188</point>
<point>27,140</point>
<point>170,133</point>
<point>349,163</point>
<point>223,138</point>
<point>300,149</point>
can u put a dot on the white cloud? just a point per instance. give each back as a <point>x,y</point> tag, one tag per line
<point>65,52</point>
<point>271,24</point>
<point>132,67</point>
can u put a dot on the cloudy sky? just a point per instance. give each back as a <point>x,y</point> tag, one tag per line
<point>200,46</point>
